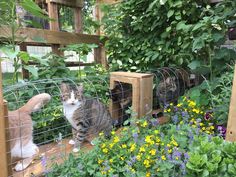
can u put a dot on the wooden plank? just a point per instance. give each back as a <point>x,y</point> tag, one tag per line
<point>231,125</point>
<point>33,36</point>
<point>146,95</point>
<point>53,14</point>
<point>130,74</point>
<point>109,1</point>
<point>69,3</point>
<point>78,20</point>
<point>5,157</point>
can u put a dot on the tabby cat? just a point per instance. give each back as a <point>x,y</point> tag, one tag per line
<point>88,117</point>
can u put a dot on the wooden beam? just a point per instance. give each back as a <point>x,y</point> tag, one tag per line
<point>109,1</point>
<point>33,36</point>
<point>5,159</point>
<point>69,3</point>
<point>231,125</point>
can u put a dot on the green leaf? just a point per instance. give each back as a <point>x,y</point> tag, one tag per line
<point>33,70</point>
<point>170,13</point>
<point>194,64</point>
<point>198,44</point>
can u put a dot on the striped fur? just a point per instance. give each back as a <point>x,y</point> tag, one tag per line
<point>88,117</point>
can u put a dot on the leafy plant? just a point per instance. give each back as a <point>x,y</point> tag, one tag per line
<point>215,95</point>
<point>143,149</point>
<point>145,35</point>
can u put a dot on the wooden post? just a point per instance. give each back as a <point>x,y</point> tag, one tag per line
<point>100,56</point>
<point>142,93</point>
<point>231,125</point>
<point>25,73</point>
<point>5,160</point>
<point>78,19</point>
<point>54,24</point>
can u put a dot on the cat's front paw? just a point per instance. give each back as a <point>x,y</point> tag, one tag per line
<point>71,142</point>
<point>75,150</point>
<point>20,166</point>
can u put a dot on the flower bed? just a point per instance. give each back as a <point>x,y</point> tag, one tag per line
<point>148,149</point>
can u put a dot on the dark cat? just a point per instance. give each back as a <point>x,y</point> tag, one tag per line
<point>122,94</point>
<point>88,117</point>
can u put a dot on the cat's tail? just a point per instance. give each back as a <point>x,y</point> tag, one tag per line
<point>35,103</point>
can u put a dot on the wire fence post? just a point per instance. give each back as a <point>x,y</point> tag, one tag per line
<point>5,155</point>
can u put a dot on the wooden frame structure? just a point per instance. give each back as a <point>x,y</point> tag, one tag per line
<point>142,93</point>
<point>231,125</point>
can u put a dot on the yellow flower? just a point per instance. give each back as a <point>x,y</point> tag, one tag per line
<point>168,145</point>
<point>203,128</point>
<point>158,140</point>
<point>196,110</point>
<point>201,124</point>
<point>133,170</point>
<point>179,105</point>
<point>146,163</point>
<point>191,104</point>
<point>158,169</point>
<point>113,132</point>
<point>194,126</point>
<point>142,149</point>
<point>111,160</point>
<point>181,122</point>
<point>156,132</point>
<point>105,150</point>
<point>163,157</point>
<point>138,157</point>
<point>122,158</point>
<point>149,140</point>
<point>169,151</point>
<point>144,124</point>
<point>111,145</point>
<point>168,110</point>
<point>132,148</point>
<point>116,139</point>
<point>171,104</point>
<point>152,152</point>
<point>165,111</point>
<point>103,172</point>
<point>103,145</point>
<point>100,161</point>
<point>177,158</point>
<point>101,134</point>
<point>174,143</point>
<point>124,146</point>
<point>212,127</point>
<point>148,174</point>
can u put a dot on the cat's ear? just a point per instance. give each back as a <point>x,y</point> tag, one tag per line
<point>80,88</point>
<point>64,87</point>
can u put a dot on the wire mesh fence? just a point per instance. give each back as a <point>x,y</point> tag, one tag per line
<point>51,117</point>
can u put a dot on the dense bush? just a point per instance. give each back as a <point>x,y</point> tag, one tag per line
<point>146,34</point>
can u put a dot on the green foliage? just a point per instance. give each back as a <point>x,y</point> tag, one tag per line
<point>215,95</point>
<point>55,68</point>
<point>212,158</point>
<point>146,34</point>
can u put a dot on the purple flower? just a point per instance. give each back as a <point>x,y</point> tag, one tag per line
<point>129,163</point>
<point>135,136</point>
<point>155,122</point>
<point>186,157</point>
<point>176,109</point>
<point>176,154</point>
<point>208,115</point>
<point>222,130</point>
<point>175,119</point>
<point>133,159</point>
